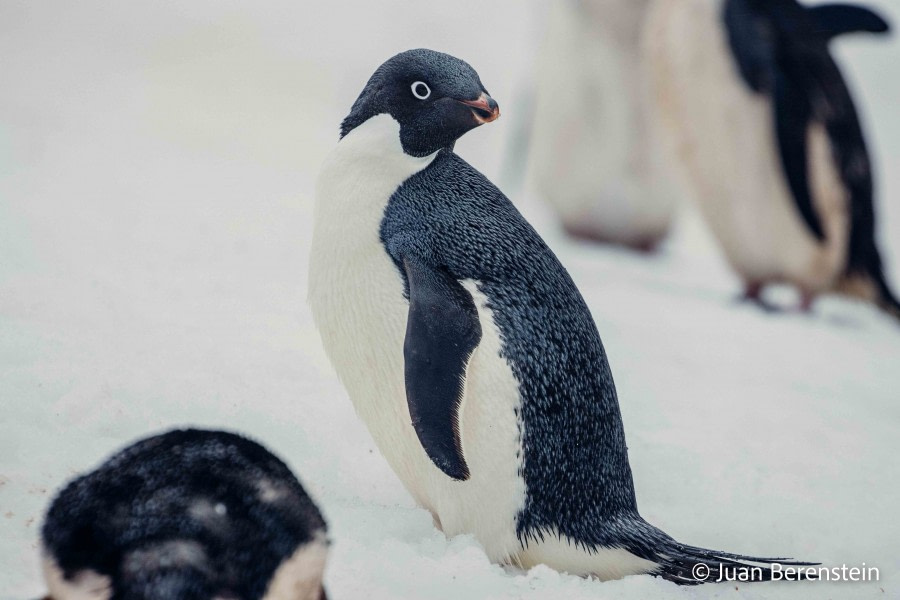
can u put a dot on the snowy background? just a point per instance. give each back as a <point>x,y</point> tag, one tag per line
<point>157,163</point>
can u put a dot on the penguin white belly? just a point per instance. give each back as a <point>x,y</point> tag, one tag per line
<point>723,136</point>
<point>591,155</point>
<point>299,577</point>
<point>356,295</point>
<point>85,585</point>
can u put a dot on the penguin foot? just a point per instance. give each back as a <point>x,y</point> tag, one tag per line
<point>646,246</point>
<point>806,302</point>
<point>643,245</point>
<point>753,293</point>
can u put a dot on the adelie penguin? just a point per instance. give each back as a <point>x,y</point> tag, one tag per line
<point>188,514</point>
<point>465,346</point>
<point>758,117</point>
<point>593,155</point>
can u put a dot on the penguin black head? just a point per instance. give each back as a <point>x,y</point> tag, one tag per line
<point>435,98</point>
<point>187,514</point>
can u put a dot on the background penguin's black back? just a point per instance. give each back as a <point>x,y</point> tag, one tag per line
<point>185,514</point>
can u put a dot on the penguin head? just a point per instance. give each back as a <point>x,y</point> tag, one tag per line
<point>435,97</point>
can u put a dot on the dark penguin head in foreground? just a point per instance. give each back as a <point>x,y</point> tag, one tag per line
<point>435,97</point>
<point>186,514</point>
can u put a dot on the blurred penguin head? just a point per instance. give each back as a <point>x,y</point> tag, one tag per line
<point>187,514</point>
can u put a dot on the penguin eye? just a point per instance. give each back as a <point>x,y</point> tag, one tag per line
<point>420,90</point>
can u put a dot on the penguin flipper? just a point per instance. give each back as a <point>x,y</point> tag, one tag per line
<point>838,19</point>
<point>752,49</point>
<point>442,331</point>
<point>792,117</point>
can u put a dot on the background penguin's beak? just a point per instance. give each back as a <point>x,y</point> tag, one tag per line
<point>484,108</point>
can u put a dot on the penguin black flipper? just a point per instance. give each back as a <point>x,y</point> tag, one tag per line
<point>766,68</point>
<point>837,19</point>
<point>750,43</point>
<point>442,331</point>
<point>792,115</point>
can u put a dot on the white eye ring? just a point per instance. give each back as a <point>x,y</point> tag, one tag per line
<point>416,88</point>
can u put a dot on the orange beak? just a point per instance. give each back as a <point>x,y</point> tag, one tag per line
<point>485,108</point>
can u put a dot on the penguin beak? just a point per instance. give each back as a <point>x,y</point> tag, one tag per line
<point>484,108</point>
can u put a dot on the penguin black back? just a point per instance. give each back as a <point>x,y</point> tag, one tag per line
<point>574,458</point>
<point>781,49</point>
<point>451,214</point>
<point>185,514</point>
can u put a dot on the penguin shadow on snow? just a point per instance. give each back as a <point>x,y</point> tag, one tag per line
<point>187,514</point>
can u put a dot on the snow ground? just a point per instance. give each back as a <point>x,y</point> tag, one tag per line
<point>156,169</point>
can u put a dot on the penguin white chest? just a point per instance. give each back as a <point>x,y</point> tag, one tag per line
<point>355,290</point>
<point>356,295</point>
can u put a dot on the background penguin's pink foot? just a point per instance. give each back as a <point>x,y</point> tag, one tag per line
<point>645,245</point>
<point>806,302</point>
<point>753,293</point>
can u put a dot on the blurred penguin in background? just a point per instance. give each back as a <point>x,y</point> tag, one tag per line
<point>593,157</point>
<point>759,118</point>
<point>189,515</point>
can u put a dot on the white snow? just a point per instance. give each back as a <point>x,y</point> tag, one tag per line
<point>156,171</point>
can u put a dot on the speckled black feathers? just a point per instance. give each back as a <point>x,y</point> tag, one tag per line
<point>781,50</point>
<point>575,462</point>
<point>185,514</point>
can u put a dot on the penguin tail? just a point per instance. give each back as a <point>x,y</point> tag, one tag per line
<point>689,565</point>
<point>885,297</point>
<point>870,284</point>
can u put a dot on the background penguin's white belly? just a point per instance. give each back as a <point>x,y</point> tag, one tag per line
<point>590,152</point>
<point>356,295</point>
<point>722,136</point>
